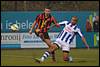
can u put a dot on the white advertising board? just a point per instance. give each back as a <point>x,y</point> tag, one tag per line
<point>28,41</point>
<point>10,38</point>
<point>32,41</point>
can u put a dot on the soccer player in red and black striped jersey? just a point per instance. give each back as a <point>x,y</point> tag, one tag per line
<point>41,26</point>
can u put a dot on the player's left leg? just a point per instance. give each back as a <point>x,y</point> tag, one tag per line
<point>45,37</point>
<point>47,53</point>
<point>49,43</point>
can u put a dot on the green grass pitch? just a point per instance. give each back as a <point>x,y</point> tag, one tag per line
<point>23,57</point>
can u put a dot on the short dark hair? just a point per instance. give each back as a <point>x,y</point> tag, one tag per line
<point>75,17</point>
<point>47,7</point>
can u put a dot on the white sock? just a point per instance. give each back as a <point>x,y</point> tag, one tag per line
<point>45,56</point>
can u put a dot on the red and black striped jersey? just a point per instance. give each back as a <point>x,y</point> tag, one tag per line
<point>43,23</point>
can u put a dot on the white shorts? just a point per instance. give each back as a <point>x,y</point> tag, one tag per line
<point>63,45</point>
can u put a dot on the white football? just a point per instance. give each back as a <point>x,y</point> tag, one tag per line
<point>14,27</point>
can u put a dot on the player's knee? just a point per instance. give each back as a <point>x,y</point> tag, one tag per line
<point>54,47</point>
<point>48,42</point>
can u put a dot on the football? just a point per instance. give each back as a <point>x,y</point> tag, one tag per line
<point>14,27</point>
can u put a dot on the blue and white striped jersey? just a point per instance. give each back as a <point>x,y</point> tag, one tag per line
<point>68,33</point>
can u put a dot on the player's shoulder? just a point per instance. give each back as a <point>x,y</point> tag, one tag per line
<point>40,15</point>
<point>67,22</point>
<point>64,22</point>
<point>77,28</point>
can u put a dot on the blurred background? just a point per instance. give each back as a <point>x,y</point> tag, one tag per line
<point>56,5</point>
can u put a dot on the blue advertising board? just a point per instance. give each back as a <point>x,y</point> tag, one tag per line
<point>25,20</point>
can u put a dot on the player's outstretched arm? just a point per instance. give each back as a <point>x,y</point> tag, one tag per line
<point>33,25</point>
<point>50,27</point>
<point>84,41</point>
<point>58,24</point>
<point>83,38</point>
<point>55,22</point>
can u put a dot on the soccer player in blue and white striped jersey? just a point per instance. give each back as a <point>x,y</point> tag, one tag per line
<point>64,39</point>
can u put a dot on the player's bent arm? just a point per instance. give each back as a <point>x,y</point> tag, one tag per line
<point>33,25</point>
<point>55,22</point>
<point>60,23</point>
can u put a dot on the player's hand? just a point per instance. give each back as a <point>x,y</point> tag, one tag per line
<point>37,30</point>
<point>30,32</point>
<point>58,25</point>
<point>87,46</point>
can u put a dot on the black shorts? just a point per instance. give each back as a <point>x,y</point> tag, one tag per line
<point>45,35</point>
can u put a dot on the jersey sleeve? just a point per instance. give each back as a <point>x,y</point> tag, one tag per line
<point>79,32</point>
<point>63,22</point>
<point>37,18</point>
